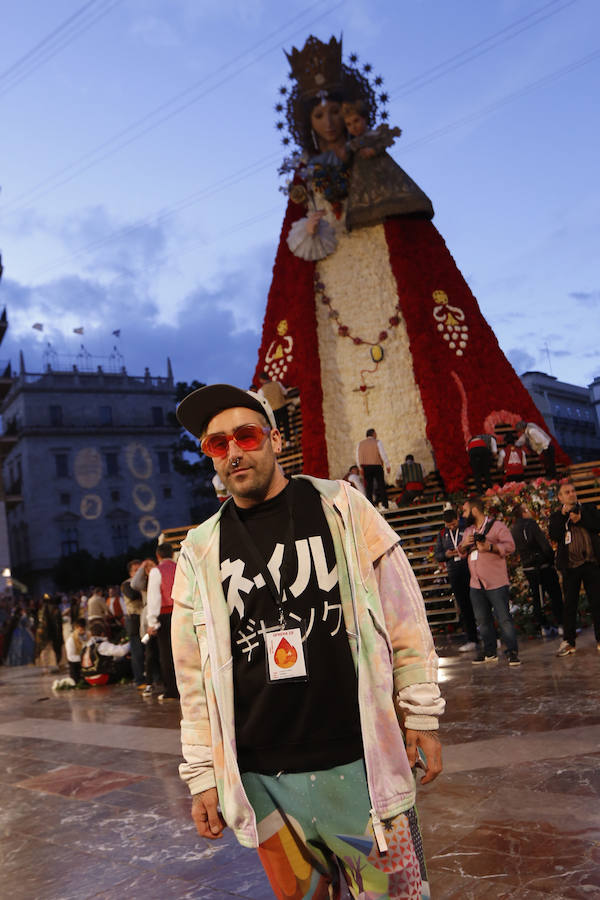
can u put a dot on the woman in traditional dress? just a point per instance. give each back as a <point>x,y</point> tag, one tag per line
<point>376,326</point>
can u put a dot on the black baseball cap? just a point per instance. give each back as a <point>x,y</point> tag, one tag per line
<point>197,409</point>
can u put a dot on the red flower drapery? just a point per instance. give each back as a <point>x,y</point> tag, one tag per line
<point>462,393</point>
<point>291,301</point>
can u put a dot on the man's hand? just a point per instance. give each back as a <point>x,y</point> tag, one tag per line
<point>429,743</point>
<point>575,518</point>
<point>207,818</point>
<point>450,554</point>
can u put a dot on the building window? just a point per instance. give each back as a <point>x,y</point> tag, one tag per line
<point>158,416</point>
<point>61,461</point>
<point>56,416</point>
<point>167,493</point>
<point>164,463</point>
<point>115,496</point>
<point>112,463</point>
<point>106,415</point>
<point>65,499</point>
<point>120,536</point>
<point>69,541</point>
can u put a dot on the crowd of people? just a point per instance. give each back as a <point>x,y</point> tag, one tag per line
<point>103,635</point>
<point>473,548</point>
<point>511,457</point>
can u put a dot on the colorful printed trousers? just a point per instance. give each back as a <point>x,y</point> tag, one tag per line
<point>314,826</point>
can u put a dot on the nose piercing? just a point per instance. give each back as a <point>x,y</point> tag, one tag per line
<point>235,463</point>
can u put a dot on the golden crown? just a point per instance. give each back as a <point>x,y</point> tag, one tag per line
<point>317,68</point>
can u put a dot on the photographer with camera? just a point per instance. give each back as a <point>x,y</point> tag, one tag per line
<point>575,528</point>
<point>486,543</point>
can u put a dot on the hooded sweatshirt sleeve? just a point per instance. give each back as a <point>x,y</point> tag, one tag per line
<point>188,630</point>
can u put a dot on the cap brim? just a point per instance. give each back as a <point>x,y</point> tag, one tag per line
<point>197,409</point>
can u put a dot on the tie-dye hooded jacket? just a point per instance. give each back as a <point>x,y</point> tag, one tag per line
<point>389,637</point>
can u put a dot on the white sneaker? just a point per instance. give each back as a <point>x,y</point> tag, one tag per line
<point>470,645</point>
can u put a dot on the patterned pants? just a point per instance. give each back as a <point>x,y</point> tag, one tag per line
<point>312,826</point>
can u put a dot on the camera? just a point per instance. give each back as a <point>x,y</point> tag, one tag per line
<point>479,538</point>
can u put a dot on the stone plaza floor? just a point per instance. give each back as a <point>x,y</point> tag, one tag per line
<point>91,804</point>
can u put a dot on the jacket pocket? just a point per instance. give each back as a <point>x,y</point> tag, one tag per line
<point>199,623</point>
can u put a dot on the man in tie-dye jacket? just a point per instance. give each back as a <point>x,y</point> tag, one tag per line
<point>315,784</point>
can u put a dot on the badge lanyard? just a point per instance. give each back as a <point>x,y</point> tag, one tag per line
<point>454,539</point>
<point>285,656</point>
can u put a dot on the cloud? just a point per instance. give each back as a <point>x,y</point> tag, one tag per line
<point>586,298</point>
<point>109,246</point>
<point>520,360</point>
<point>214,335</point>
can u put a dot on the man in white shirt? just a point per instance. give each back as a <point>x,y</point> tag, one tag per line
<point>160,608</point>
<point>537,440</point>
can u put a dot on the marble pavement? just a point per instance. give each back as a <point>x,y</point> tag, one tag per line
<point>91,805</point>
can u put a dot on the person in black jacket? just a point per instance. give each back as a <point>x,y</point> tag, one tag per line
<point>537,561</point>
<point>457,570</point>
<point>576,529</point>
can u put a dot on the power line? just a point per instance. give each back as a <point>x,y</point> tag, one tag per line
<point>484,46</point>
<point>63,35</point>
<point>40,190</point>
<point>261,164</point>
<point>502,101</point>
<point>165,214</point>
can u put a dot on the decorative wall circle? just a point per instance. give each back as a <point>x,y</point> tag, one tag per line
<point>88,468</point>
<point>139,460</point>
<point>149,526</point>
<point>143,497</point>
<point>91,506</point>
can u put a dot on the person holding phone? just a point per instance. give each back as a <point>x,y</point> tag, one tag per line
<point>575,527</point>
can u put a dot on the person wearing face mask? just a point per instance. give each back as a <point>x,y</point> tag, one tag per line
<point>486,543</point>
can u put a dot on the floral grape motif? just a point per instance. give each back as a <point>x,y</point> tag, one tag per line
<point>451,323</point>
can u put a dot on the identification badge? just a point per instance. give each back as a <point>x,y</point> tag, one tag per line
<point>568,537</point>
<point>473,555</point>
<point>457,559</point>
<point>285,655</point>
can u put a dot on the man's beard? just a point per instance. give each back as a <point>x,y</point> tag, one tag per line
<point>470,519</point>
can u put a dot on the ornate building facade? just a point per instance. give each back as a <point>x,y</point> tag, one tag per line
<point>88,465</point>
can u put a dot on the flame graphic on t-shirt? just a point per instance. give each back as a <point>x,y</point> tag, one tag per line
<point>285,654</point>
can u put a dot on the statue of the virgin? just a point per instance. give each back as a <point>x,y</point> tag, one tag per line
<point>367,312</point>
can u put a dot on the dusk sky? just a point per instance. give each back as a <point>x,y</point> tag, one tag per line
<point>139,168</point>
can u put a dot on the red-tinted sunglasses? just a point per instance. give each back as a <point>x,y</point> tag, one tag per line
<point>247,437</point>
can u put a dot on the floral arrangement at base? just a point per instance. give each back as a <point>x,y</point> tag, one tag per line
<point>539,496</point>
<point>63,684</point>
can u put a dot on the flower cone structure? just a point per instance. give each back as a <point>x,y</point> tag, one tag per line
<point>385,333</point>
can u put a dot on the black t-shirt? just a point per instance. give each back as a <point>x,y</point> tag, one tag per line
<point>289,726</point>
